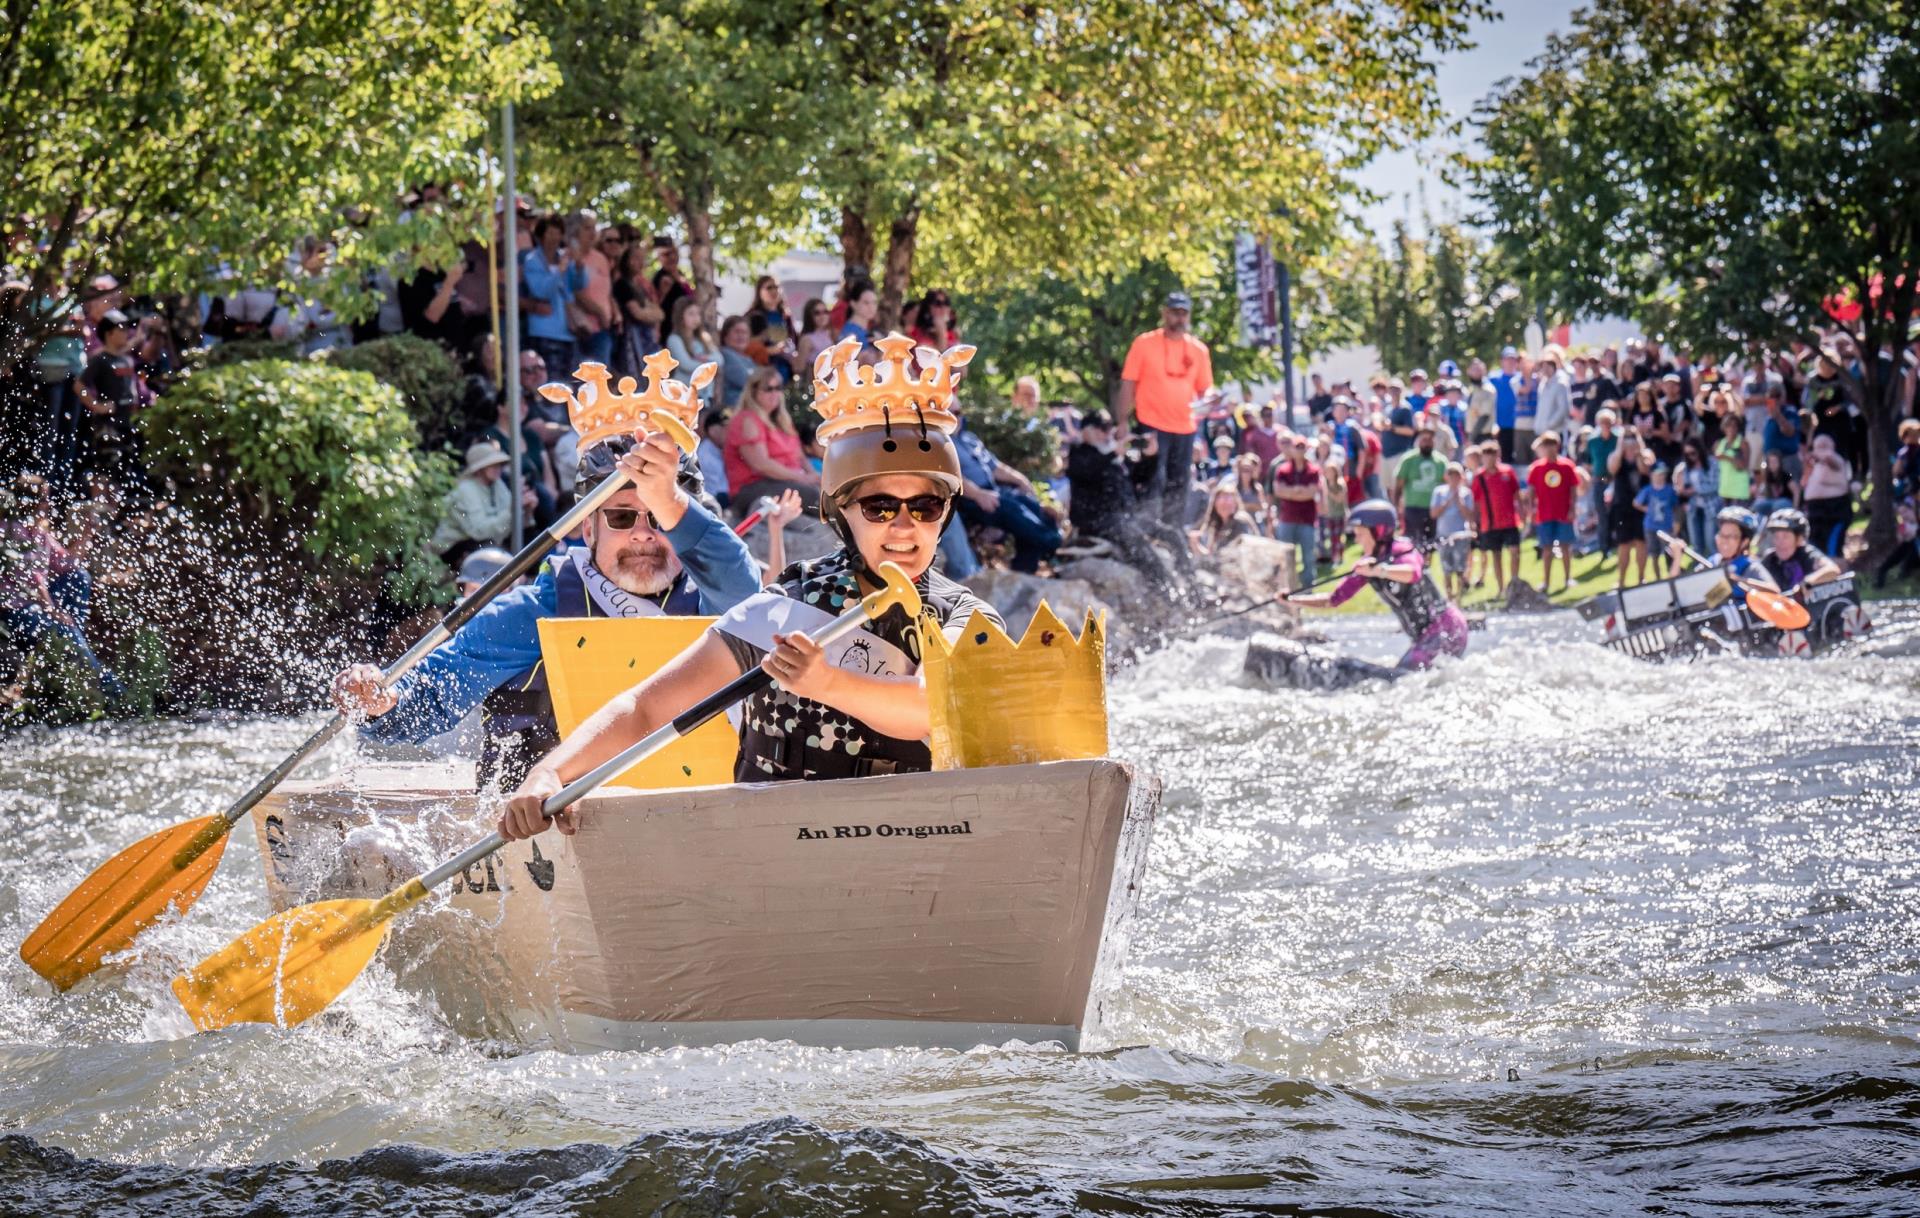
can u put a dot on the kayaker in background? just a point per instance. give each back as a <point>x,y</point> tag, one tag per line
<point>654,549</point>
<point>1790,560</point>
<point>888,484</point>
<point>1397,573</point>
<point>1734,531</point>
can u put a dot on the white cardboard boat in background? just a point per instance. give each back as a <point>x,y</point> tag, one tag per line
<point>949,909</point>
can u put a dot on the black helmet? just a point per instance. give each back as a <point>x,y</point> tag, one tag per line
<point>598,462</point>
<point>1375,514</point>
<point>1791,519</point>
<point>1741,518</point>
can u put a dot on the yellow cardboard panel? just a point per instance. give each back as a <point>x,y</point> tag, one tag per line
<point>995,702</point>
<point>589,660</point>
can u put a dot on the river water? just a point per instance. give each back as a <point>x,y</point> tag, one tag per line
<point>1545,931</point>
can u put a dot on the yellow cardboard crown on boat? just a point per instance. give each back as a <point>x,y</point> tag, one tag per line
<point>997,702</point>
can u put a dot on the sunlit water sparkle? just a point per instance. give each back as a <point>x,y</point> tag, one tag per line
<point>1546,930</point>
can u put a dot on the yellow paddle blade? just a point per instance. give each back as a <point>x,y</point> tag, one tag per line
<point>1778,610</point>
<point>292,966</point>
<point>125,895</point>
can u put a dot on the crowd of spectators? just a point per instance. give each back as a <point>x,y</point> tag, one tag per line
<point>1585,453</point>
<point>1589,453</point>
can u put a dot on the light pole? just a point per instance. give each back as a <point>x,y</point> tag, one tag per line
<point>508,236</point>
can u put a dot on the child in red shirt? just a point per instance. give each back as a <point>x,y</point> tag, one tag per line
<point>1496,491</point>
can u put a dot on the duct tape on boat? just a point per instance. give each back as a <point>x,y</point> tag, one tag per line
<point>854,832</point>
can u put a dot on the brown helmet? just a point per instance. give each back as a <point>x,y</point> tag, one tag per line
<point>904,447</point>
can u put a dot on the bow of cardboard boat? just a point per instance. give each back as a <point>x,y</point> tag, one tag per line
<point>986,901</point>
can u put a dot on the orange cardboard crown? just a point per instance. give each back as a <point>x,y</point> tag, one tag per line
<point>600,410</point>
<point>850,396</point>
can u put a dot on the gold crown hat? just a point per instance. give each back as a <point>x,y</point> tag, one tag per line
<point>601,410</point>
<point>992,701</point>
<point>850,396</point>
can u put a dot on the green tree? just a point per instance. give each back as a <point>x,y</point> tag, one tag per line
<point>165,139</point>
<point>1085,139</point>
<point>1073,334</point>
<point>1419,300</point>
<point>689,109</point>
<point>1724,167</point>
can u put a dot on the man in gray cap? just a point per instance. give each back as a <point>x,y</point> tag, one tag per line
<point>1166,370</point>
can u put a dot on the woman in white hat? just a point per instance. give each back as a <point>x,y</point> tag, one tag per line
<point>478,511</point>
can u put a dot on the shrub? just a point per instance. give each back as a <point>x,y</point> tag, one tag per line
<point>54,686</point>
<point>301,518</point>
<point>1029,444</point>
<point>242,350</point>
<point>427,378</point>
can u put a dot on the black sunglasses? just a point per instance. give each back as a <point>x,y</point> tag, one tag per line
<point>927,509</point>
<point>620,520</point>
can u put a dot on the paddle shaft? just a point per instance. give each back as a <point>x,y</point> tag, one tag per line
<point>1667,538</point>
<point>462,613</point>
<point>709,707</point>
<point>1272,600</point>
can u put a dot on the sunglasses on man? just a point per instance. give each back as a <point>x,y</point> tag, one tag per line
<point>622,520</point>
<point>926,509</point>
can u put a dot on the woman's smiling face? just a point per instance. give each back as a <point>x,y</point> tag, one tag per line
<point>904,541</point>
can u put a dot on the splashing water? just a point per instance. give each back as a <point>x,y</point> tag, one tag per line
<point>1545,930</point>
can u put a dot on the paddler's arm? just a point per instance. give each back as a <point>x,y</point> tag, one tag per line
<point>1399,573</point>
<point>500,642</point>
<point>681,682</point>
<point>1342,591</point>
<point>1825,570</point>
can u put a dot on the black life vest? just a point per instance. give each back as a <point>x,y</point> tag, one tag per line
<point>784,737</point>
<point>517,726</point>
<point>1419,604</point>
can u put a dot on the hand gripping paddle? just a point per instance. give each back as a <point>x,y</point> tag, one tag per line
<point>293,965</point>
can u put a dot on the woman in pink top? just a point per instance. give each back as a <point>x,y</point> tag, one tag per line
<point>762,451</point>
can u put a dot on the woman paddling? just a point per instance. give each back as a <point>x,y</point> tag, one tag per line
<point>1397,572</point>
<point>887,488</point>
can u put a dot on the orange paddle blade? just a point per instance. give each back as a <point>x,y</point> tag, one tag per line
<point>292,966</point>
<point>124,896</point>
<point>1778,610</point>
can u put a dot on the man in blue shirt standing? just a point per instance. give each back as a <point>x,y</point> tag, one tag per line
<point>549,277</point>
<point>1504,400</point>
<point>654,549</point>
<point>1781,432</point>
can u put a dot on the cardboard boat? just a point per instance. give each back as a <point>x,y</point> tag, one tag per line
<point>953,908</point>
<point>1275,660</point>
<point>1688,615</point>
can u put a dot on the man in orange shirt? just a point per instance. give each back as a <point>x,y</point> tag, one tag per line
<point>1166,370</point>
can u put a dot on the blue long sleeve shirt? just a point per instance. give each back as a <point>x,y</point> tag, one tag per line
<point>547,283</point>
<point>503,641</point>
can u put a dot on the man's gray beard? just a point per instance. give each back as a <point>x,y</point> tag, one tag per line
<point>651,583</point>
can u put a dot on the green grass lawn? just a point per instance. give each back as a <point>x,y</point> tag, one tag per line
<point>1592,575</point>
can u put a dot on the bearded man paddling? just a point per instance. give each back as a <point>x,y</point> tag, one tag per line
<point>653,549</point>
